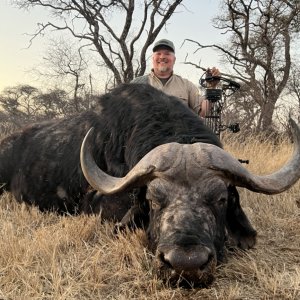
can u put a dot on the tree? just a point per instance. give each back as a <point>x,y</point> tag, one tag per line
<point>293,87</point>
<point>20,104</point>
<point>65,63</point>
<point>109,26</point>
<point>259,48</point>
<point>24,104</point>
<point>55,103</point>
<point>240,108</point>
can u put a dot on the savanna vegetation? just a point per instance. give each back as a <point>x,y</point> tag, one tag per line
<point>46,256</point>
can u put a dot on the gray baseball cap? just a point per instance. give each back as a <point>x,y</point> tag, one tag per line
<point>164,44</point>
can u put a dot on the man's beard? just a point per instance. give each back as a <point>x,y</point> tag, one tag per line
<point>163,69</point>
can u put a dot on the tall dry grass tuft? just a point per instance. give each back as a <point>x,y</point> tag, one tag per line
<point>46,256</point>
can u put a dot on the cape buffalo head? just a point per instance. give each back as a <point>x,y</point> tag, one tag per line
<point>190,189</point>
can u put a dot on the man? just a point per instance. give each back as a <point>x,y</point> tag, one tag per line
<point>163,78</point>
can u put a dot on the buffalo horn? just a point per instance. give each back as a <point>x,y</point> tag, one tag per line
<point>102,181</point>
<point>199,157</point>
<point>273,183</point>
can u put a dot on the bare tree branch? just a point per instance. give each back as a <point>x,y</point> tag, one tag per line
<point>92,21</point>
<point>259,48</point>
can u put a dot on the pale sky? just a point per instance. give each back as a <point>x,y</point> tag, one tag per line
<point>16,59</point>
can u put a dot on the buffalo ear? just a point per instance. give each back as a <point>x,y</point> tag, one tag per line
<point>239,228</point>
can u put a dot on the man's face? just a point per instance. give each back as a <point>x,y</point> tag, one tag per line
<point>163,61</point>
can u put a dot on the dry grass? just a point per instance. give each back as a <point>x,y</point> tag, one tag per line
<point>45,256</point>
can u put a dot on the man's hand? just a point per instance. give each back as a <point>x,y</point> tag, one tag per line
<point>213,72</point>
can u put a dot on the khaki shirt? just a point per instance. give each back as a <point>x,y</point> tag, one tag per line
<point>176,86</point>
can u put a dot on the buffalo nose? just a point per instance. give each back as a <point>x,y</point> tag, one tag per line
<point>182,260</point>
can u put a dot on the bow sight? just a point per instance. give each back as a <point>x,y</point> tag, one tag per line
<point>216,98</point>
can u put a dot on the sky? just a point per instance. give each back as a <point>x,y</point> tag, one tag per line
<point>18,57</point>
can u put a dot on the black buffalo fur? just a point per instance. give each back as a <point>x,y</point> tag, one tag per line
<point>40,164</point>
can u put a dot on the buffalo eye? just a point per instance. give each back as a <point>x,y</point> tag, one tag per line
<point>156,194</point>
<point>222,201</point>
<point>155,205</point>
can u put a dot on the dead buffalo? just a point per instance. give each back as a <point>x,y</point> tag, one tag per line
<point>148,161</point>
